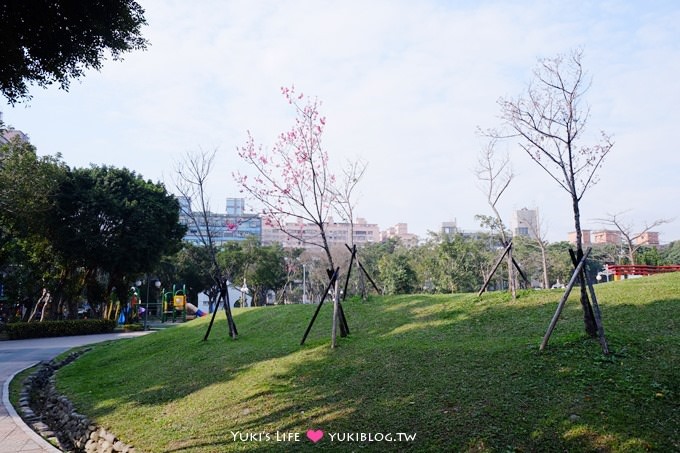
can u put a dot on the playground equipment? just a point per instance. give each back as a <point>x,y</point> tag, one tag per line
<point>174,304</point>
<point>129,312</point>
<point>194,310</point>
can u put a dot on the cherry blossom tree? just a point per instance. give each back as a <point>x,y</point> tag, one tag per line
<point>293,181</point>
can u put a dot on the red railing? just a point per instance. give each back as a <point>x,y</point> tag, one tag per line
<point>641,269</point>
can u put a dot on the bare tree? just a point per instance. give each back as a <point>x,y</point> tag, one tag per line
<point>539,233</point>
<point>495,174</point>
<point>345,205</point>
<point>191,176</point>
<point>633,241</point>
<point>344,195</point>
<point>549,121</point>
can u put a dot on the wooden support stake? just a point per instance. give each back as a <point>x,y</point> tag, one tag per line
<point>344,327</point>
<point>227,309</point>
<point>521,273</point>
<point>495,266</point>
<point>318,308</point>
<point>361,266</point>
<point>224,298</point>
<point>564,298</point>
<point>349,270</point>
<point>598,317</point>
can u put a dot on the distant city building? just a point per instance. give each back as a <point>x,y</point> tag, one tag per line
<point>234,225</point>
<point>585,238</point>
<point>337,234</point>
<point>524,223</point>
<point>606,237</point>
<point>449,228</point>
<point>596,237</point>
<point>649,238</point>
<point>10,134</point>
<point>400,231</point>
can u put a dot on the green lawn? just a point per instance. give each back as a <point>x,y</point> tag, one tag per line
<point>462,373</point>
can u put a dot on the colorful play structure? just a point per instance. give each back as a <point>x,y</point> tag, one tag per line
<point>129,312</point>
<point>176,307</point>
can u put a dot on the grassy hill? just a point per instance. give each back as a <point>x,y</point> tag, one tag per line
<point>462,373</point>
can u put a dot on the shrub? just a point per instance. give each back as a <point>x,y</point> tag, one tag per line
<point>19,330</point>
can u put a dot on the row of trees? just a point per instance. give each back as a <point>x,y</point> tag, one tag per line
<point>80,233</point>
<point>71,235</point>
<point>442,264</point>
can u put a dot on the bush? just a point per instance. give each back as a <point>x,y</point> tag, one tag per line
<point>19,330</point>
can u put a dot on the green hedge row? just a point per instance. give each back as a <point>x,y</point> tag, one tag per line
<point>19,330</point>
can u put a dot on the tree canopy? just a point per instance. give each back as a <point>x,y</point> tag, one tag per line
<point>45,41</point>
<point>65,230</point>
<point>112,219</point>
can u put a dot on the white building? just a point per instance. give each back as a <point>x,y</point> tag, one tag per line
<point>239,295</point>
<point>524,222</point>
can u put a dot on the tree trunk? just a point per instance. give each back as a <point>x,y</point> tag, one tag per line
<point>46,305</point>
<point>544,262</point>
<point>588,315</point>
<point>512,287</point>
<point>336,304</point>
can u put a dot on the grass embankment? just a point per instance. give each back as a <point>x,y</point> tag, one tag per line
<point>462,373</point>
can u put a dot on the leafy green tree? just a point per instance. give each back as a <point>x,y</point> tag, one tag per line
<point>648,255</point>
<point>262,267</point>
<point>397,274</point>
<point>112,220</point>
<point>428,267</point>
<point>671,253</point>
<point>371,254</point>
<point>232,260</point>
<point>267,272</point>
<point>527,252</point>
<point>29,183</point>
<point>190,267</point>
<point>47,41</point>
<point>560,266</point>
<point>464,261</point>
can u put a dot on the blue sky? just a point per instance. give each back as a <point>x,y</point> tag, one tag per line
<point>404,87</point>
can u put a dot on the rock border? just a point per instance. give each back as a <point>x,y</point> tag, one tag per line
<point>54,418</point>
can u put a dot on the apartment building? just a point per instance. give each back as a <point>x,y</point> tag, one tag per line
<point>337,234</point>
<point>400,231</point>
<point>234,225</point>
<point>524,222</point>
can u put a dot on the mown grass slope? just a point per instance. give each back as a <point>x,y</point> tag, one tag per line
<point>462,373</point>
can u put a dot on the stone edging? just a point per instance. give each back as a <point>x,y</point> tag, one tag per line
<point>53,417</point>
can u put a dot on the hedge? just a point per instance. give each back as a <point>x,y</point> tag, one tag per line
<point>20,330</point>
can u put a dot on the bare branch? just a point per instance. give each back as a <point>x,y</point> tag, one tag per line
<point>549,121</point>
<point>626,229</point>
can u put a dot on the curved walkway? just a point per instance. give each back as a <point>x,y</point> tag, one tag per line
<point>17,355</point>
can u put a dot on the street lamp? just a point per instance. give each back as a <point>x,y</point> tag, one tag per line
<point>157,284</point>
<point>138,293</point>
<point>244,292</point>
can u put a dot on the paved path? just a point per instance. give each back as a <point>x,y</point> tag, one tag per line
<point>18,355</point>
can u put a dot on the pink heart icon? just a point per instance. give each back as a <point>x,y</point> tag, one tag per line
<point>315,435</point>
